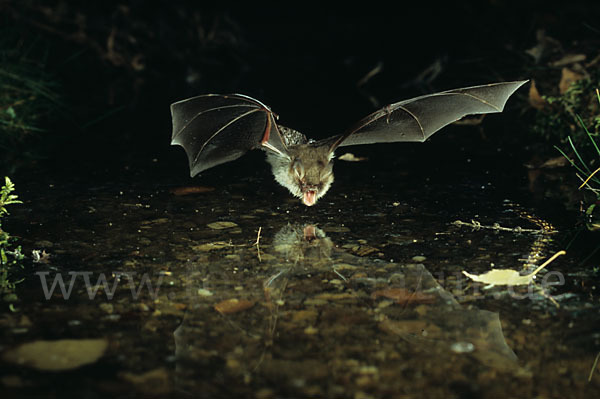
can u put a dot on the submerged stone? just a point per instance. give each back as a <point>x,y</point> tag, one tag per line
<point>64,354</point>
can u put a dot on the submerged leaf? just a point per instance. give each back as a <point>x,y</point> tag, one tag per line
<point>233,305</point>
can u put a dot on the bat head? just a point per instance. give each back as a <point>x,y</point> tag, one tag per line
<point>307,171</point>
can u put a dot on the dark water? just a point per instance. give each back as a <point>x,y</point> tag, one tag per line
<point>361,296</point>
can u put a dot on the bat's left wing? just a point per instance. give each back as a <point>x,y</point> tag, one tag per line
<point>418,118</point>
<point>214,129</point>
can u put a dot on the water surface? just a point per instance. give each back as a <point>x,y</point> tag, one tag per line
<point>238,290</point>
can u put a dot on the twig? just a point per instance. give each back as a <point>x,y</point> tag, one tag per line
<point>546,263</point>
<point>374,71</point>
<point>594,367</point>
<point>477,225</point>
<point>257,243</point>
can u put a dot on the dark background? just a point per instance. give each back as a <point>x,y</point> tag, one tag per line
<point>118,66</point>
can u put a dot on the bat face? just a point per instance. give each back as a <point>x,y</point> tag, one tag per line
<point>214,129</point>
<point>306,171</point>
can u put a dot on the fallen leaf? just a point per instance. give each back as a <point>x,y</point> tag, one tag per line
<point>556,162</point>
<point>221,225</point>
<point>349,157</point>
<point>153,382</point>
<point>508,276</point>
<point>210,246</point>
<point>191,190</point>
<point>535,100</point>
<point>233,305</point>
<point>402,295</point>
<point>64,354</point>
<point>567,78</point>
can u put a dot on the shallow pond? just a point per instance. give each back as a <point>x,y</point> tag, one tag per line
<point>224,286</point>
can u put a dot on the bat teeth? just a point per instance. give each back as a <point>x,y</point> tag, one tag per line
<point>309,197</point>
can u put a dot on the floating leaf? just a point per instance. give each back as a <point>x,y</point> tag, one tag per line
<point>221,225</point>
<point>508,276</point>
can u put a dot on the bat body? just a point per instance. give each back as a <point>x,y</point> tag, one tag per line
<point>214,129</point>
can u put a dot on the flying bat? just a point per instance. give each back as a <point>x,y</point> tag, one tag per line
<point>215,128</point>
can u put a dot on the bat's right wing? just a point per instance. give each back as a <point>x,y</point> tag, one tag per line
<point>214,129</point>
<point>418,118</point>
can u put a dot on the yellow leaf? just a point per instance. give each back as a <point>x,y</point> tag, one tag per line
<point>500,277</point>
<point>508,276</point>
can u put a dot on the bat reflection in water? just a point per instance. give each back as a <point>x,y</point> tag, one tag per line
<point>214,129</point>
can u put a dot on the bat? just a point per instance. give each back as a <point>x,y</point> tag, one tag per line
<point>214,129</point>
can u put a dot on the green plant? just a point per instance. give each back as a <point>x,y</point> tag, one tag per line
<point>10,256</point>
<point>585,170</point>
<point>563,113</point>
<point>28,97</point>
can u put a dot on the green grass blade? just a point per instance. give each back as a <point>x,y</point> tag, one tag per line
<point>588,134</point>
<point>571,161</point>
<point>583,164</point>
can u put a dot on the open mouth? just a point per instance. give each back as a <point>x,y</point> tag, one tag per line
<point>310,197</point>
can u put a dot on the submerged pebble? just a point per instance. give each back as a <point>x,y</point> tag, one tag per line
<point>153,382</point>
<point>462,347</point>
<point>107,307</point>
<point>311,330</point>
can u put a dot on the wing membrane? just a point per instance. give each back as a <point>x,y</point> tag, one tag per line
<point>418,118</point>
<point>214,129</point>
